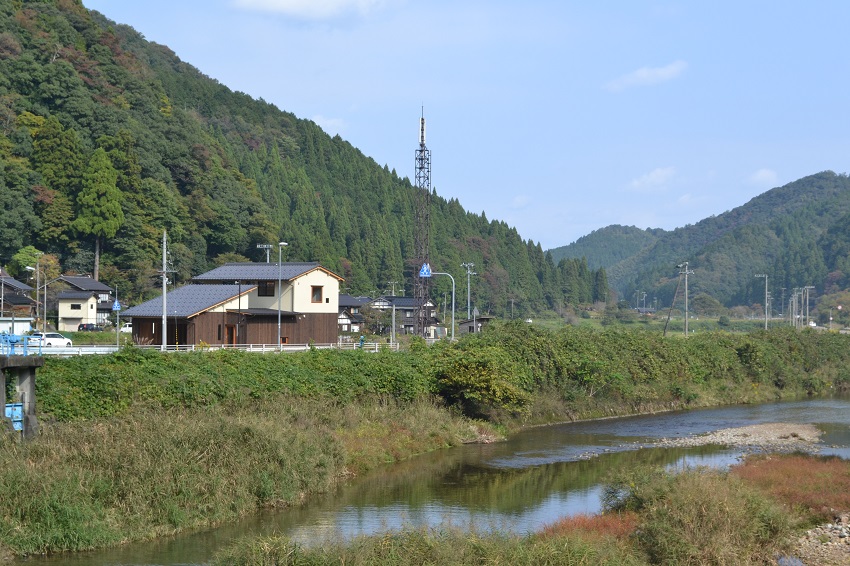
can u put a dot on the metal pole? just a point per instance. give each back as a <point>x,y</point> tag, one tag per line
<point>164,345</point>
<point>686,271</point>
<point>453,299</point>
<point>280,247</point>
<point>765,297</point>
<point>469,273</point>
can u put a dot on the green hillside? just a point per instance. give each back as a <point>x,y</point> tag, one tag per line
<point>607,246</point>
<point>798,234</point>
<point>107,140</point>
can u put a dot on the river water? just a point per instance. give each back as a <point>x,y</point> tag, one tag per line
<point>533,479</point>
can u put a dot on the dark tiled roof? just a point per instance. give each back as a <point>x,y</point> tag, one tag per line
<point>259,272</point>
<point>84,295</point>
<point>85,283</point>
<point>349,301</point>
<point>400,302</point>
<point>17,300</point>
<point>188,301</point>
<point>13,283</point>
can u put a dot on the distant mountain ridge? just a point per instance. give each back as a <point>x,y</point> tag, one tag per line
<point>797,234</point>
<point>607,246</point>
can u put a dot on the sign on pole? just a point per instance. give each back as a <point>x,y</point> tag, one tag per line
<point>425,271</point>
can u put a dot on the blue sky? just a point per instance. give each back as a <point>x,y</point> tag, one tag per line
<point>557,116</point>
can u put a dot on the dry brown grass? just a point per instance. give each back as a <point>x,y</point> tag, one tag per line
<point>617,525</point>
<point>814,485</point>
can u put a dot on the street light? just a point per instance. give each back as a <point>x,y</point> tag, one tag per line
<point>469,273</point>
<point>453,299</point>
<point>280,247</point>
<point>37,285</point>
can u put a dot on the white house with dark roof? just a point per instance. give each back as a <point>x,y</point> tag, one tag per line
<point>241,303</point>
<point>350,318</point>
<point>16,307</point>
<point>86,301</point>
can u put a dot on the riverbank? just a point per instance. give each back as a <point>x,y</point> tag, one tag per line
<point>141,444</point>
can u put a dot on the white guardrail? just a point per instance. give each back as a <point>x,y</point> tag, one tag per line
<point>260,348</point>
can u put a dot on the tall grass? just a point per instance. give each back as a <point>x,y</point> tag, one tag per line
<point>444,547</point>
<point>84,485</point>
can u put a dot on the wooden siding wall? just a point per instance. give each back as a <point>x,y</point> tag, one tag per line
<point>321,328</point>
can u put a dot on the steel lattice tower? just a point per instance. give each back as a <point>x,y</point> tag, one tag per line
<point>422,236</point>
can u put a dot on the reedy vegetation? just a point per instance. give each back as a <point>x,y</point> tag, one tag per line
<point>140,444</point>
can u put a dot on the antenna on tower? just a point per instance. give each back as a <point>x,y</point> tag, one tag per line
<point>422,236</point>
<point>422,129</point>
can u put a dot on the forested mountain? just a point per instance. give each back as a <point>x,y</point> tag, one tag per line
<point>607,246</point>
<point>106,140</point>
<point>798,235</point>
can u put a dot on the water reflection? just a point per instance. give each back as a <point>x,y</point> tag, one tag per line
<point>533,479</point>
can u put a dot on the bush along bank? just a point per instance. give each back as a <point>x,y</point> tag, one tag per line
<point>141,444</point>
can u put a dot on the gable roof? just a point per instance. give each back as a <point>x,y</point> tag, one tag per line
<point>85,283</point>
<point>82,295</point>
<point>11,282</point>
<point>189,300</point>
<point>250,271</point>
<point>387,301</point>
<point>346,301</point>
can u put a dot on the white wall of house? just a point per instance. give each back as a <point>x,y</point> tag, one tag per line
<point>316,292</point>
<point>73,312</point>
<point>270,301</point>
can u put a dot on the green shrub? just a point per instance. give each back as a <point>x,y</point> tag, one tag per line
<point>480,379</point>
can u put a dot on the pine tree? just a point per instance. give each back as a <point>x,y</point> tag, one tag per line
<point>99,212</point>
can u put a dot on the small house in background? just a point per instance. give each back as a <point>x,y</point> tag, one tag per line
<point>16,306</point>
<point>475,324</point>
<point>240,303</point>
<point>86,301</point>
<point>350,318</point>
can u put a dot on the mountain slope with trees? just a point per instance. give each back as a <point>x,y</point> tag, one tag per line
<point>607,246</point>
<point>107,139</point>
<point>797,234</point>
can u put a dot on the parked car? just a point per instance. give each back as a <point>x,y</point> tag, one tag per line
<point>89,327</point>
<point>49,339</point>
<point>127,327</point>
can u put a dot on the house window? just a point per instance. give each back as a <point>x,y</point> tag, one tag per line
<point>265,288</point>
<point>76,307</point>
<point>219,333</point>
<point>316,294</point>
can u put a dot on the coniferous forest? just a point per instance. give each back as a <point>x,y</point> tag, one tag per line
<point>107,139</point>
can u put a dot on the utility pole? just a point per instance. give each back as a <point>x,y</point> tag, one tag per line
<point>685,271</point>
<point>765,297</point>
<point>469,273</point>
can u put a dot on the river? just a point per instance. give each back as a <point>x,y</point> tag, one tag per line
<point>532,479</point>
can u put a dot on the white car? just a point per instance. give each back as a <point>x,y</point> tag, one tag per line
<point>127,327</point>
<point>49,339</point>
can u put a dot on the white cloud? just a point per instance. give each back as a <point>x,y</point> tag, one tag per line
<point>646,76</point>
<point>765,178</point>
<point>311,9</point>
<point>653,181</point>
